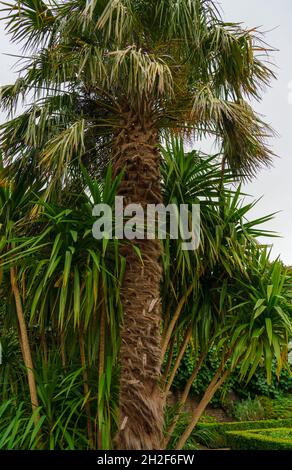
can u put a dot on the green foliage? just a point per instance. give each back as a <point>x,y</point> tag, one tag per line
<point>17,428</point>
<point>276,439</point>
<point>12,375</point>
<point>204,377</point>
<point>206,418</point>
<point>257,387</point>
<point>279,408</point>
<point>262,408</point>
<point>199,435</point>
<point>63,424</point>
<point>62,403</point>
<point>184,419</point>
<point>282,433</point>
<point>85,60</point>
<point>220,430</point>
<point>178,67</point>
<point>249,410</point>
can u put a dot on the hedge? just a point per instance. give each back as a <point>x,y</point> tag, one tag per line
<point>217,431</point>
<point>258,440</point>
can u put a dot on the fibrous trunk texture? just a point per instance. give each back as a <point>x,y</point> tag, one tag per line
<point>141,405</point>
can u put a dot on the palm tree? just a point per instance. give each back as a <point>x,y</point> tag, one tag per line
<point>109,78</point>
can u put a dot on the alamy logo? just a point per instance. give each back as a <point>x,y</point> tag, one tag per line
<point>155,221</point>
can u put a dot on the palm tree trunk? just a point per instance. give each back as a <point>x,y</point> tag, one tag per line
<point>141,404</point>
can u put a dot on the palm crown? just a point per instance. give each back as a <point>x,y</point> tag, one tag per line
<point>88,61</point>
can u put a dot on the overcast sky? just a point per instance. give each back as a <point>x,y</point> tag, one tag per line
<point>275,184</point>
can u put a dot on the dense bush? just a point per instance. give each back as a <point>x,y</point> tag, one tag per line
<point>248,410</point>
<point>277,439</point>
<point>262,408</point>
<point>218,431</point>
<point>280,408</point>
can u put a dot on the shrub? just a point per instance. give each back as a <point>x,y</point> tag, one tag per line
<point>205,418</point>
<point>248,410</point>
<point>219,430</point>
<point>282,433</point>
<point>280,408</point>
<point>276,439</point>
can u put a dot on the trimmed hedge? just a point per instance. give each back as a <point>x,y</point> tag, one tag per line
<point>218,431</point>
<point>259,440</point>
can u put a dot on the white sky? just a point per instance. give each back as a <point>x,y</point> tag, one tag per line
<point>275,184</point>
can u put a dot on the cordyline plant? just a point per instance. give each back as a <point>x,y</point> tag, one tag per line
<point>107,78</point>
<point>13,201</point>
<point>249,325</point>
<point>66,289</point>
<point>228,295</point>
<point>69,287</point>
